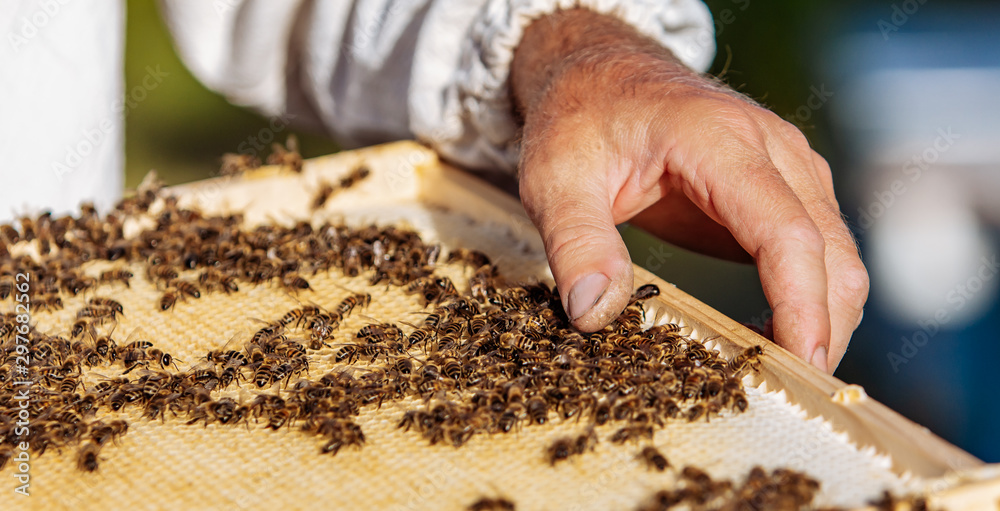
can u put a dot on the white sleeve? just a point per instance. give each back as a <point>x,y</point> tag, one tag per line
<point>481,81</point>
<point>62,102</point>
<point>370,71</point>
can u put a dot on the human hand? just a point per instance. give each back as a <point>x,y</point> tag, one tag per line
<point>616,129</point>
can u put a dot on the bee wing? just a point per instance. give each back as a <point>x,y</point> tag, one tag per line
<point>239,333</point>
<point>137,334</point>
<point>415,327</point>
<point>369,318</point>
<point>204,364</point>
<point>292,143</point>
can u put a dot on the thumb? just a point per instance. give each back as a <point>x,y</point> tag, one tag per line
<point>572,210</point>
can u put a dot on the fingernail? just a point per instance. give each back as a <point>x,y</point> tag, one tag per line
<point>586,293</point>
<point>819,359</point>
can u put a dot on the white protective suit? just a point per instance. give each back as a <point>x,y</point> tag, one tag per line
<point>364,71</point>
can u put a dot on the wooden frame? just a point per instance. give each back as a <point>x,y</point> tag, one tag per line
<point>966,481</point>
<point>912,448</point>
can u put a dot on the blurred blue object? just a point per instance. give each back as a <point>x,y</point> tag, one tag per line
<point>917,118</point>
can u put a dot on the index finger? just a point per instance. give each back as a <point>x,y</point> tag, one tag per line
<point>743,190</point>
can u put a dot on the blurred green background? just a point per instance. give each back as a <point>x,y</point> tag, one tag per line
<point>181,129</point>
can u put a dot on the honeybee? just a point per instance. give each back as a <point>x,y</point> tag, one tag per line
<point>184,288</point>
<point>749,358</point>
<point>473,258</point>
<point>653,458</point>
<point>96,311</point>
<point>696,411</point>
<point>294,282</point>
<point>491,504</point>
<point>207,377</point>
<point>350,434</point>
<point>562,448</point>
<point>223,409</point>
<point>538,410</point>
<point>119,275</point>
<point>69,385</point>
<point>212,279</point>
<point>739,401</point>
<point>433,289</point>
<point>235,164</point>
<point>514,340</point>
<point>279,418</point>
<point>87,459</point>
<point>228,358</point>
<point>322,195</point>
<point>602,413</point>
<point>345,307</point>
<point>419,336</point>
<point>297,316</point>
<point>90,357</point>
<point>81,327</point>
<point>10,235</point>
<point>106,347</point>
<point>630,320</point>
<point>161,272</point>
<point>286,156</point>
<point>132,358</point>
<point>354,177</point>
<point>693,383</point>
<point>47,302</point>
<point>645,292</point>
<point>229,375</point>
<point>632,432</point>
<point>585,441</point>
<point>380,332</point>
<point>141,344</point>
<point>98,301</point>
<point>169,299</point>
<point>264,374</point>
<point>6,287</point>
<point>161,357</point>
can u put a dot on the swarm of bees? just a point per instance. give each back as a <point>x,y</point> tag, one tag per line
<point>327,190</point>
<point>779,490</point>
<point>489,360</point>
<point>492,364</point>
